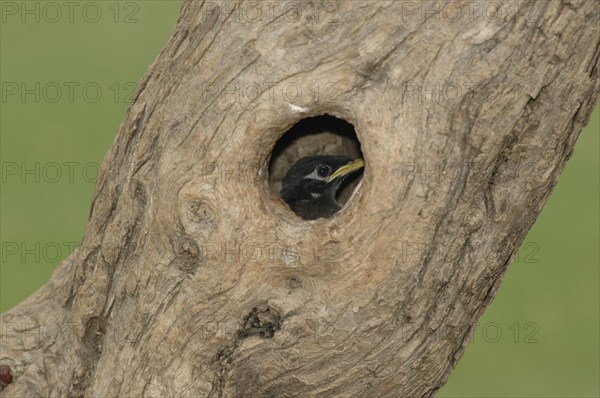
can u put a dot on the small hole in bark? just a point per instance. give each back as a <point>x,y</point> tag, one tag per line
<point>294,282</point>
<point>323,135</point>
<point>262,321</point>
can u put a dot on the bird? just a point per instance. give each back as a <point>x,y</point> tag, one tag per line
<point>311,184</point>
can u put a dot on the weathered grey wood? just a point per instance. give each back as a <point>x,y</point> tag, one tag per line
<point>192,282</point>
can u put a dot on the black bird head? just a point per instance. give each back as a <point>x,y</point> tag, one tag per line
<point>310,185</point>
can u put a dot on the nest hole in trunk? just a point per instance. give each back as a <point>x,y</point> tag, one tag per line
<point>316,135</point>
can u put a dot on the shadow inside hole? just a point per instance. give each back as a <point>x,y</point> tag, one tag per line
<point>318,135</point>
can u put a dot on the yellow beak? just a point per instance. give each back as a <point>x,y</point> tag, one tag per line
<point>356,164</point>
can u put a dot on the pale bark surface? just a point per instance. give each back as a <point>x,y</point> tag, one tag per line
<point>189,282</point>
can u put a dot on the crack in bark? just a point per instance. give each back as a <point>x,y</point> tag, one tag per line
<point>91,349</point>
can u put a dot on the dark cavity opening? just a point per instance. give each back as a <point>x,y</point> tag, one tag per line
<point>312,136</point>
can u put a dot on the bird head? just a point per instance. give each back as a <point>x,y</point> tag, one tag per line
<point>311,184</point>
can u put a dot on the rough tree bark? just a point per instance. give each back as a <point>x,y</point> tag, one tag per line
<point>465,124</point>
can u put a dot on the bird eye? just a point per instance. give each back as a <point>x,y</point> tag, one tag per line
<point>323,170</point>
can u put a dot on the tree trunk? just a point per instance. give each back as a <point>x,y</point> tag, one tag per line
<point>194,279</point>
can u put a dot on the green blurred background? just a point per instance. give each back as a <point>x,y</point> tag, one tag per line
<point>539,338</point>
